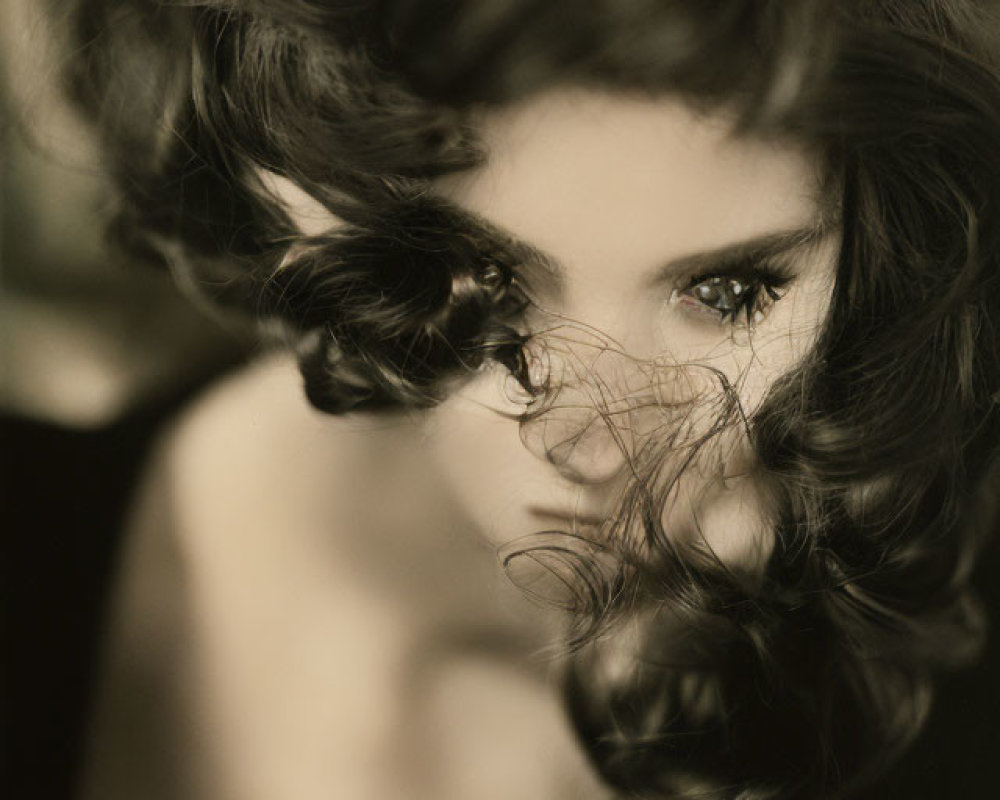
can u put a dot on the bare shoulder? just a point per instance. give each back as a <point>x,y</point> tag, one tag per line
<point>251,467</point>
<point>251,429</point>
<point>226,581</point>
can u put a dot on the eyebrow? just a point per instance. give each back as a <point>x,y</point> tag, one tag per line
<point>757,248</point>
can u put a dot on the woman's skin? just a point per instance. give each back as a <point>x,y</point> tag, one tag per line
<point>312,606</point>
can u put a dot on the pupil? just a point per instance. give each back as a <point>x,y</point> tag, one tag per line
<point>721,296</point>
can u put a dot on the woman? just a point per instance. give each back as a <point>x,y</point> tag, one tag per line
<point>686,310</point>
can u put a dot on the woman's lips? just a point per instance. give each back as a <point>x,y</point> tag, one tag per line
<point>580,518</point>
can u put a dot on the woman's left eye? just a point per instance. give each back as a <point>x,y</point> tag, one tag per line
<point>734,299</point>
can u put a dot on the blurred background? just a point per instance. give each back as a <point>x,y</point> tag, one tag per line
<point>95,355</point>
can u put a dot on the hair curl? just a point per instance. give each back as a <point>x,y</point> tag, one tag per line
<point>876,448</point>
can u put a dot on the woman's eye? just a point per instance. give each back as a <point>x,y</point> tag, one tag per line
<point>727,298</point>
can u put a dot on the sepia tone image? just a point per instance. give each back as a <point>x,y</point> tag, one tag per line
<point>494,399</point>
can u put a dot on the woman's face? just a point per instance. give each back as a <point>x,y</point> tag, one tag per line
<point>673,259</point>
<point>653,224</point>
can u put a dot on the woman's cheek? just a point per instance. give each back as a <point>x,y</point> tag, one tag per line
<point>479,455</point>
<point>720,509</point>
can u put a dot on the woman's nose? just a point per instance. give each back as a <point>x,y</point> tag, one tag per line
<point>582,423</point>
<point>580,443</point>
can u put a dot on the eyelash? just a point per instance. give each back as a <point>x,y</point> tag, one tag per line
<point>754,285</point>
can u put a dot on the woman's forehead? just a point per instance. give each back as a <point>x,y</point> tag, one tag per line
<point>588,175</point>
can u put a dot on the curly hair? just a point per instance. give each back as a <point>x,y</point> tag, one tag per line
<point>876,448</point>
